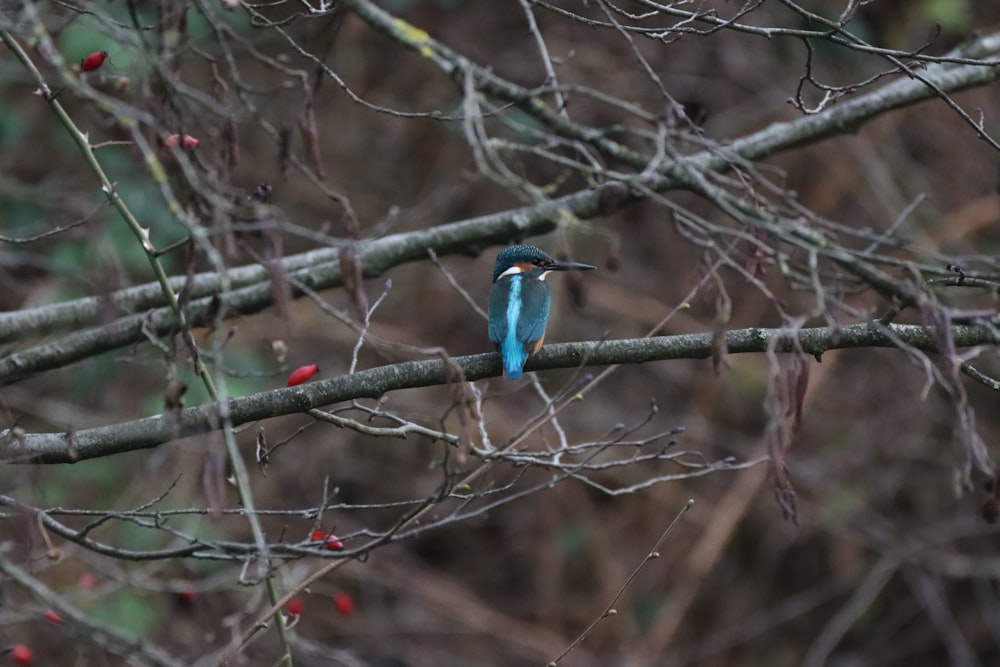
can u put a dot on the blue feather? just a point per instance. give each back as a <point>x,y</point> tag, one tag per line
<point>511,349</point>
<point>519,303</point>
<point>519,310</point>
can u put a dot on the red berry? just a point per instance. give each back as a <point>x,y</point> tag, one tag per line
<point>330,541</point>
<point>22,655</point>
<point>294,607</point>
<point>185,599</point>
<point>88,581</point>
<point>175,140</point>
<point>344,604</point>
<point>302,374</point>
<point>93,61</point>
<point>52,617</point>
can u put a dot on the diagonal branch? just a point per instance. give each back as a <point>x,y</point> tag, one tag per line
<point>149,432</point>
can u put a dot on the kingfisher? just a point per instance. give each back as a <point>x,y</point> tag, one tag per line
<point>519,303</point>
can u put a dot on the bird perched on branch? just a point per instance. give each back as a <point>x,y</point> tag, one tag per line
<point>519,303</point>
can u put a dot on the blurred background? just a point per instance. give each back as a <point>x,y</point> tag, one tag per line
<point>889,563</point>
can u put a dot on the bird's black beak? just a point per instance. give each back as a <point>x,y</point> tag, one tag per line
<point>569,266</point>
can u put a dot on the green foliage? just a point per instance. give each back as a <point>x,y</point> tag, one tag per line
<point>12,128</point>
<point>644,607</point>
<point>20,218</point>
<point>69,258</point>
<point>133,536</point>
<point>571,540</point>
<point>255,375</point>
<point>85,36</point>
<point>952,15</point>
<point>129,611</point>
<point>64,486</point>
<point>143,199</point>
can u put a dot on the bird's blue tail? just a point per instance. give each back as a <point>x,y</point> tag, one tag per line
<point>514,355</point>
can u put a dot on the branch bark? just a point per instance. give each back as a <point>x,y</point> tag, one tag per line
<point>70,447</point>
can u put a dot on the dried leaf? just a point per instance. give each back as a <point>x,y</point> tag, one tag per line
<point>310,138</point>
<point>784,493</point>
<point>173,396</point>
<point>797,389</point>
<point>469,416</point>
<point>720,350</point>
<point>990,509</point>
<point>576,288</point>
<point>613,261</point>
<point>284,151</point>
<point>212,315</point>
<point>213,478</point>
<point>281,290</point>
<point>350,269</point>
<point>231,139</point>
<point>262,458</point>
<point>755,262</point>
<point>723,314</point>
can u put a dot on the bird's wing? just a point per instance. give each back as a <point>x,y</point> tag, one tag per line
<point>536,300</point>
<point>498,312</point>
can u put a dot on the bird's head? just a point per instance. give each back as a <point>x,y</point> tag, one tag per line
<point>529,260</point>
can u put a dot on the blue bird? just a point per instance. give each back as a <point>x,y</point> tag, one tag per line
<point>519,303</point>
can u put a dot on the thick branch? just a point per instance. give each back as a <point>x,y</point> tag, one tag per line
<point>317,270</point>
<point>373,383</point>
